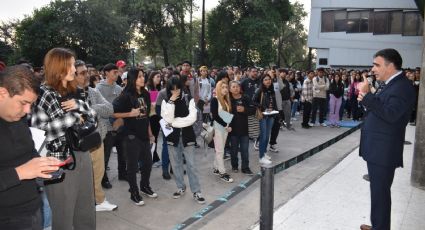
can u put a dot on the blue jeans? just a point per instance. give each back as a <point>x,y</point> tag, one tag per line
<point>294,108</point>
<point>240,143</point>
<point>176,159</point>
<point>266,125</point>
<point>164,154</point>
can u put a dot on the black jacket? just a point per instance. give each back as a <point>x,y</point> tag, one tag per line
<point>267,99</point>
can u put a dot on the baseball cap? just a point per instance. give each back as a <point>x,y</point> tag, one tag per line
<point>120,64</point>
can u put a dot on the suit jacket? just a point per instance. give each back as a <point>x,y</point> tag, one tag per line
<point>382,135</point>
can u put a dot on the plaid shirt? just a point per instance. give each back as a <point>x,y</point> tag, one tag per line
<point>307,91</point>
<point>48,115</point>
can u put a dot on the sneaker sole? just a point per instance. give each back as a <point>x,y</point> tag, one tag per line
<point>200,202</point>
<point>151,196</point>
<point>106,210</point>
<point>141,203</point>
<point>227,181</point>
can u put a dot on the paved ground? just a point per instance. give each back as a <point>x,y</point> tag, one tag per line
<point>240,212</point>
<point>341,200</point>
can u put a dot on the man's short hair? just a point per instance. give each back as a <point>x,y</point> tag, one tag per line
<point>79,63</point>
<point>16,79</point>
<point>110,66</point>
<point>282,70</point>
<point>187,62</point>
<point>392,56</point>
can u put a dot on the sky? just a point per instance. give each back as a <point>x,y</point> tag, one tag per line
<point>17,9</point>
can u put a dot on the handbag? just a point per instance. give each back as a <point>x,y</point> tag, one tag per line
<point>258,113</point>
<point>207,133</point>
<point>83,136</point>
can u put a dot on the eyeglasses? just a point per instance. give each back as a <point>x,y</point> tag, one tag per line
<point>84,72</point>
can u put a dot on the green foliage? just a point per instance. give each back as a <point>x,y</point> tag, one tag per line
<point>241,32</point>
<point>163,28</point>
<point>292,41</point>
<point>92,29</point>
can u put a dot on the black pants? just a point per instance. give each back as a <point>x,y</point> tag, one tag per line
<point>319,104</point>
<point>155,127</point>
<point>275,129</point>
<point>306,113</point>
<point>112,139</point>
<point>381,179</point>
<point>138,151</point>
<point>22,222</point>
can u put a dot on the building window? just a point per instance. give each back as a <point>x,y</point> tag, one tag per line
<point>323,61</point>
<point>340,21</point>
<point>380,23</point>
<point>411,24</point>
<point>358,21</point>
<point>327,21</point>
<point>396,20</point>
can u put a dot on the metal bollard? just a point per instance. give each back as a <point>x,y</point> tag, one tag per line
<point>267,197</point>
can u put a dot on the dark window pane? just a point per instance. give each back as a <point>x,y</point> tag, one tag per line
<point>371,21</point>
<point>327,21</point>
<point>340,21</point>
<point>380,25</point>
<point>353,22</point>
<point>410,24</point>
<point>396,22</point>
<point>364,21</point>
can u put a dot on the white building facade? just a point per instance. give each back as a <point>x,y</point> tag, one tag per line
<point>347,33</point>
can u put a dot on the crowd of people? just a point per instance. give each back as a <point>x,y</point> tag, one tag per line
<point>132,105</point>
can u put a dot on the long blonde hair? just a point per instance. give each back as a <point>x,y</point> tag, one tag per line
<point>223,99</point>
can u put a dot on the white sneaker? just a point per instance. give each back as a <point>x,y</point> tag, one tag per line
<point>268,157</point>
<point>294,119</point>
<point>311,124</point>
<point>105,206</point>
<point>323,125</point>
<point>265,161</point>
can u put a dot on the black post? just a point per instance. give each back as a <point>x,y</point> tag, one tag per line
<point>132,53</point>
<point>267,197</point>
<point>203,34</point>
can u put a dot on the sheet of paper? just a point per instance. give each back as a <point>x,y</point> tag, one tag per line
<point>271,112</point>
<point>38,137</point>
<point>153,145</point>
<point>166,129</point>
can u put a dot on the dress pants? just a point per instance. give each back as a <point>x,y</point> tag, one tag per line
<point>71,198</point>
<point>98,161</point>
<point>381,179</point>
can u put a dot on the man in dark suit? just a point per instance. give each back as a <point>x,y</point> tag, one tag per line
<point>382,137</point>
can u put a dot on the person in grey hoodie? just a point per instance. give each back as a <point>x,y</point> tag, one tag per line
<point>111,90</point>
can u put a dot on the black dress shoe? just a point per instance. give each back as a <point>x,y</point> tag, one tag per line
<point>166,176</point>
<point>105,183</point>
<point>365,227</point>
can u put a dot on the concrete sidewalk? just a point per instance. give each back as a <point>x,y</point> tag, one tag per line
<point>340,199</point>
<point>166,212</point>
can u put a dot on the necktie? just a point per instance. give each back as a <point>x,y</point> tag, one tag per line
<point>380,87</point>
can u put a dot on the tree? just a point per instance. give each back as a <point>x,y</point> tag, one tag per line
<point>292,40</point>
<point>241,32</point>
<point>93,30</point>
<point>160,22</point>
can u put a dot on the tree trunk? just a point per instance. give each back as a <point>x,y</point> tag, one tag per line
<point>417,178</point>
<point>165,53</point>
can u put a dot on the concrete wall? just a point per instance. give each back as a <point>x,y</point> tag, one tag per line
<point>357,49</point>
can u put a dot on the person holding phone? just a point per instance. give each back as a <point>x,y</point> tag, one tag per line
<point>133,105</point>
